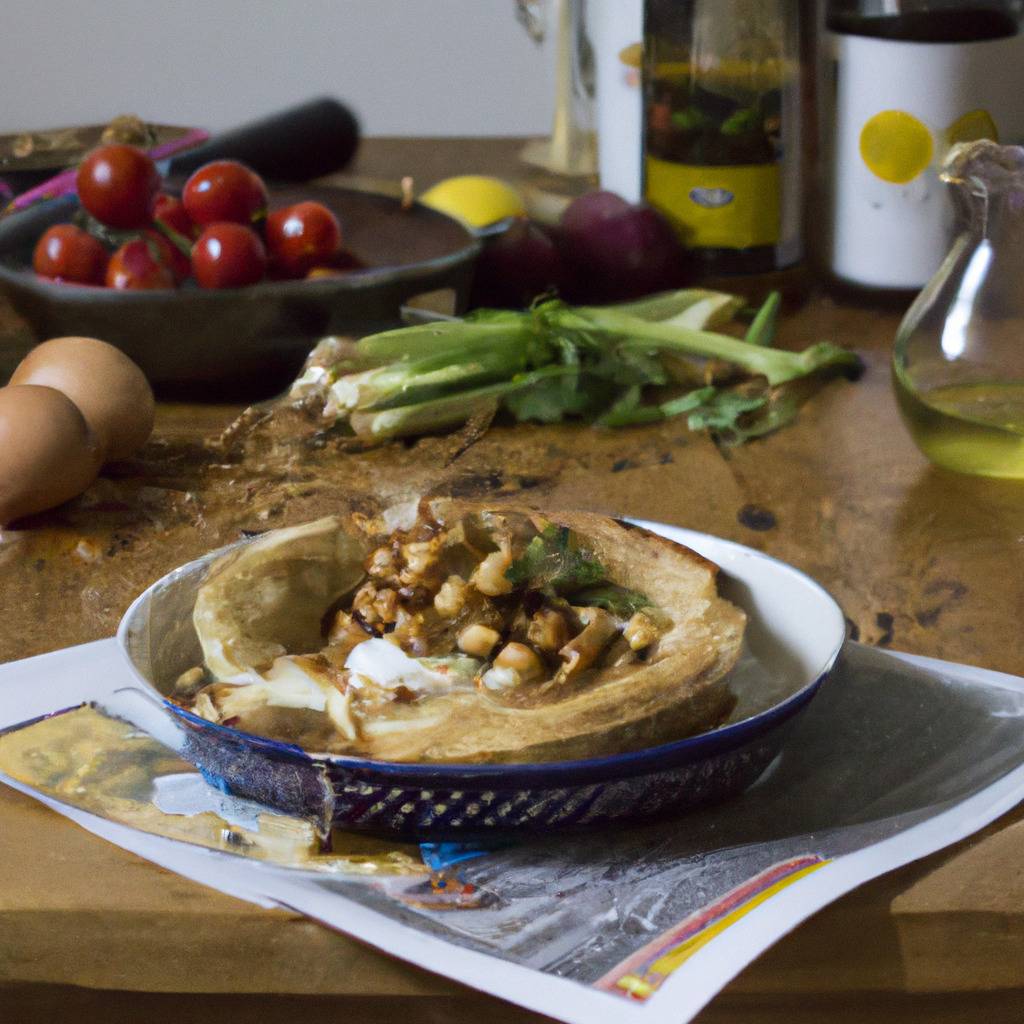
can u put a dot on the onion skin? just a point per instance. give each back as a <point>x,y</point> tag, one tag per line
<point>517,267</point>
<point>614,251</point>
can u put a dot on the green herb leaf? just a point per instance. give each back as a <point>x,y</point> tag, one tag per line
<point>547,401</point>
<point>553,561</point>
<point>691,400</point>
<point>722,411</point>
<point>634,366</point>
<point>628,411</point>
<point>620,601</point>
<point>740,121</point>
<point>689,119</point>
<point>781,407</point>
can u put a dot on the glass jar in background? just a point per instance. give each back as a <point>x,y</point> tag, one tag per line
<point>903,81</point>
<point>570,151</point>
<point>722,129</point>
<point>958,363</point>
<point>616,28</point>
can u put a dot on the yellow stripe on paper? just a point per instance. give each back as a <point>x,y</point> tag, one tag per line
<point>675,958</point>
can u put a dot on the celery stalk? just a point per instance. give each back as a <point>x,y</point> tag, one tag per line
<point>412,342</point>
<point>762,328</point>
<point>436,375</point>
<point>401,381</point>
<point>777,365</point>
<point>690,307</point>
<point>447,411</point>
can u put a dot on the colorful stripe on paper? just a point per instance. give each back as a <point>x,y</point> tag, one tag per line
<point>641,974</point>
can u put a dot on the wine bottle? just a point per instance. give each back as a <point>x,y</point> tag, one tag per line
<point>906,80</point>
<point>722,129</point>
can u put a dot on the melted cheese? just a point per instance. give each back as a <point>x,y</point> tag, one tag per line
<point>387,665</point>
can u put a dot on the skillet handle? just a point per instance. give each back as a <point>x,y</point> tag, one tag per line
<point>303,142</point>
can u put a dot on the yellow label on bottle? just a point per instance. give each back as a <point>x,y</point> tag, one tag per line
<point>717,207</point>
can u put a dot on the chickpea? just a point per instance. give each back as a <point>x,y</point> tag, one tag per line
<point>451,598</point>
<point>189,681</point>
<point>586,647</point>
<point>408,624</point>
<point>420,556</point>
<point>499,679</point>
<point>489,575</point>
<point>640,631</point>
<point>364,603</point>
<point>381,562</point>
<point>523,660</point>
<point>477,640</point>
<point>548,630</point>
<point>385,604</point>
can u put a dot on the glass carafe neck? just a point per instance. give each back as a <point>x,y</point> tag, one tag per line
<point>989,183</point>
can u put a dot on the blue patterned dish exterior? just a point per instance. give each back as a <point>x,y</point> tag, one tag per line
<point>430,802</point>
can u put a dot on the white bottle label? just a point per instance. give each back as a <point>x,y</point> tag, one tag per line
<point>898,108</point>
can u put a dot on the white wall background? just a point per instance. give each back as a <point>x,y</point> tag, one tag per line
<point>406,67</point>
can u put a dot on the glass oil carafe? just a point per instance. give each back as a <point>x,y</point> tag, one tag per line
<point>958,363</point>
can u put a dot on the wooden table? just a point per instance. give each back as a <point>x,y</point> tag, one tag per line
<point>921,560</point>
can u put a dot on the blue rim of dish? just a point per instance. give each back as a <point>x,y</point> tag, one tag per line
<point>637,762</point>
<point>690,748</point>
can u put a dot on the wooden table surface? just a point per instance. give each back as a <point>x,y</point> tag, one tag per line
<point>922,560</point>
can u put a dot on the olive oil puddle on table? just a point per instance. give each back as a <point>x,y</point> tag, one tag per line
<point>109,768</point>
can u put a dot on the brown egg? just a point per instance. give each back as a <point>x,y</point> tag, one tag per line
<point>48,454</point>
<point>103,382</point>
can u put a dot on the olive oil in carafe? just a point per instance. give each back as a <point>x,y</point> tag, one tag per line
<point>971,428</point>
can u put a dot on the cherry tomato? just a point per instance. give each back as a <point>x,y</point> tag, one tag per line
<point>224,190</point>
<point>144,263</point>
<point>170,211</point>
<point>116,184</point>
<point>181,265</point>
<point>169,254</point>
<point>228,255</point>
<point>170,215</point>
<point>67,253</point>
<point>301,237</point>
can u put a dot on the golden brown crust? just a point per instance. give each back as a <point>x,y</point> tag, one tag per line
<point>680,689</point>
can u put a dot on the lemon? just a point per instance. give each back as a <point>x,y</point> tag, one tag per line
<point>475,199</point>
<point>974,125</point>
<point>896,146</point>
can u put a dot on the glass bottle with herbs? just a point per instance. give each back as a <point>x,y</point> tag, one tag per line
<point>722,128</point>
